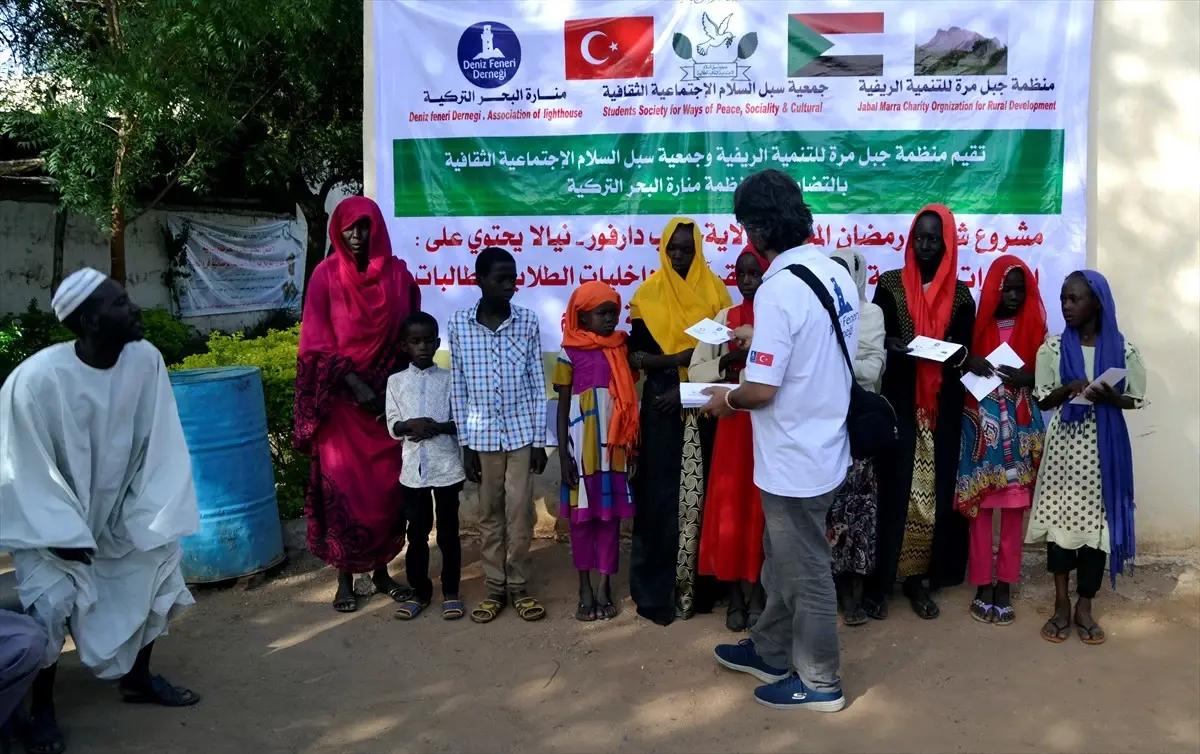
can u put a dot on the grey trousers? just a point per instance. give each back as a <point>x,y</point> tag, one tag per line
<point>22,648</point>
<point>798,626</point>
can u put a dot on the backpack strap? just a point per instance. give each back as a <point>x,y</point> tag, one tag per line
<point>822,294</point>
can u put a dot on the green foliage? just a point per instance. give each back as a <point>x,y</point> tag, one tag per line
<point>22,335</point>
<point>128,98</point>
<point>275,355</point>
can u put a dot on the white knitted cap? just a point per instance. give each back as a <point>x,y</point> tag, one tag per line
<point>75,290</point>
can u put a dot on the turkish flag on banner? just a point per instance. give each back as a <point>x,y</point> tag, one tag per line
<point>609,48</point>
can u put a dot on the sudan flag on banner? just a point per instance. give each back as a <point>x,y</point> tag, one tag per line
<point>852,38</point>
<point>609,48</point>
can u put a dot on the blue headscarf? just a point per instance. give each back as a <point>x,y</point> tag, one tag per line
<point>1116,456</point>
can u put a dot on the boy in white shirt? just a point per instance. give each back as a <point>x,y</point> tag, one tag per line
<point>418,414</point>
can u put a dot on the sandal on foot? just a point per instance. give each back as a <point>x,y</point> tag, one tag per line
<point>607,611</point>
<point>161,693</point>
<point>1003,616</point>
<point>855,616</point>
<point>981,611</point>
<point>876,609</point>
<point>410,609</point>
<point>453,609</point>
<point>585,613</point>
<point>529,609</point>
<point>1090,634</point>
<point>400,593</point>
<point>346,603</point>
<point>922,604</point>
<point>1055,630</point>
<point>488,610</point>
<point>39,735</point>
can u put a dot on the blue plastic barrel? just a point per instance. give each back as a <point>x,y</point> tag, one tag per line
<point>225,425</point>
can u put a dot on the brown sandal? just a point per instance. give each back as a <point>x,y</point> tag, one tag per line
<point>529,609</point>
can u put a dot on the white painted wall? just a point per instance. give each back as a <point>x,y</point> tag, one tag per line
<point>1144,235</point>
<point>27,252</point>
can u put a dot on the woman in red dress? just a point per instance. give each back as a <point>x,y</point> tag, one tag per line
<point>731,539</point>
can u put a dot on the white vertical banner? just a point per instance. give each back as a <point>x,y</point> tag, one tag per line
<point>570,132</point>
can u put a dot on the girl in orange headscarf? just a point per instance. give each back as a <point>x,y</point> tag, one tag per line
<point>1002,436</point>
<point>597,435</point>
<point>919,537</point>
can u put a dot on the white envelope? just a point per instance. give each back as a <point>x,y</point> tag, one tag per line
<point>1111,376</point>
<point>690,395</point>
<point>710,331</point>
<point>929,348</point>
<point>982,387</point>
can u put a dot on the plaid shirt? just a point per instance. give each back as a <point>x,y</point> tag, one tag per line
<point>499,388</point>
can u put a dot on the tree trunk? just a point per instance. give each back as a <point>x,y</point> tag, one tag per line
<point>116,238</point>
<point>318,228</point>
<point>60,233</point>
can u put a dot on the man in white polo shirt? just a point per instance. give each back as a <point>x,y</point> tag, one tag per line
<point>797,387</point>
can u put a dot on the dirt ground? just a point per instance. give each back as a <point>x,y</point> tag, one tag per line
<point>281,672</point>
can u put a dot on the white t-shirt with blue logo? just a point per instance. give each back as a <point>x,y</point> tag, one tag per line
<point>801,447</point>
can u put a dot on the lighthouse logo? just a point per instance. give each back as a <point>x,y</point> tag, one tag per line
<point>489,54</point>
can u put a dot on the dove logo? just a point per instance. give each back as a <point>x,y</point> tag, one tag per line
<point>719,53</point>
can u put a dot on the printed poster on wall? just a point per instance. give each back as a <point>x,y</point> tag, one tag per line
<point>238,268</point>
<point>570,133</point>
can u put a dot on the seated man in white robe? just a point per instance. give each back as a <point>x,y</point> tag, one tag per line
<point>95,493</point>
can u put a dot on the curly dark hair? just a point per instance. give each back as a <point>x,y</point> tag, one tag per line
<point>770,206</point>
<point>419,319</point>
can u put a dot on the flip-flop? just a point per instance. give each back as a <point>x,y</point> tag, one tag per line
<point>346,603</point>
<point>529,609</point>
<point>410,609</point>
<point>981,611</point>
<point>488,610</point>
<point>1092,635</point>
<point>607,611</point>
<point>453,609</point>
<point>584,613</point>
<point>161,693</point>
<point>1003,616</point>
<point>1057,632</point>
<point>856,616</point>
<point>875,609</point>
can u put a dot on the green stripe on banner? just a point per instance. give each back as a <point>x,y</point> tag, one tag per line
<point>871,172</point>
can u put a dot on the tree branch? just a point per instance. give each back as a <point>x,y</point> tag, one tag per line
<point>195,152</point>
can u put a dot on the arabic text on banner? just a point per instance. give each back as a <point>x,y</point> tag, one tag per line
<point>570,133</point>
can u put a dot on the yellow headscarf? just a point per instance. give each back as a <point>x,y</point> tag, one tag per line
<point>669,304</point>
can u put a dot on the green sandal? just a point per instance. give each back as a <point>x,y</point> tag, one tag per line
<point>488,610</point>
<point>529,609</point>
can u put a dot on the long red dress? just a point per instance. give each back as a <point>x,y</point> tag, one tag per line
<point>731,539</point>
<point>352,324</point>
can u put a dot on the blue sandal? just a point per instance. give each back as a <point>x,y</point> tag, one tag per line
<point>453,609</point>
<point>410,609</point>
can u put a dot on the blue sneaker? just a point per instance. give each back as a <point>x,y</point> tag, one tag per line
<point>791,693</point>
<point>743,658</point>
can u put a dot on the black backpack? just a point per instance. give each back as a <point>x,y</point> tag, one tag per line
<point>871,421</point>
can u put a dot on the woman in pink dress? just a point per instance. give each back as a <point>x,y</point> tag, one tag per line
<point>349,346</point>
<point>1002,436</point>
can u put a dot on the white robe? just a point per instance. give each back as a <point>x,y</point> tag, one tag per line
<point>96,459</point>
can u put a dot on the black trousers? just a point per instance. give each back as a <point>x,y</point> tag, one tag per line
<point>1088,561</point>
<point>419,505</point>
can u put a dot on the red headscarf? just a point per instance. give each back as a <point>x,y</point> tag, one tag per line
<point>743,313</point>
<point>1029,332</point>
<point>623,425</point>
<point>931,310</point>
<point>365,308</point>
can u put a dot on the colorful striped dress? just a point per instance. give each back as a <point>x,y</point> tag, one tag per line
<point>603,492</point>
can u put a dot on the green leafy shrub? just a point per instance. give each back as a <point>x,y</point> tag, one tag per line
<point>275,355</point>
<point>22,335</point>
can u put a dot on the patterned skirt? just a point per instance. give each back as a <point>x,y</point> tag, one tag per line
<point>916,552</point>
<point>691,515</point>
<point>851,521</point>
